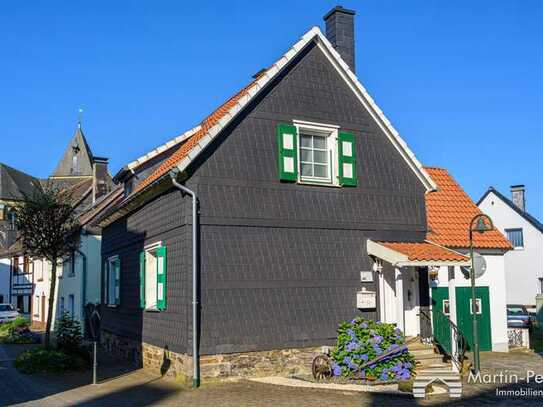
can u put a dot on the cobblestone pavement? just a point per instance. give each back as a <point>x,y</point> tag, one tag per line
<point>122,386</point>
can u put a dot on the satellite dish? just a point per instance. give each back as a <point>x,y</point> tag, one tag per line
<point>479,264</point>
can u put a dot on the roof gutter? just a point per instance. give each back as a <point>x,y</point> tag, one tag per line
<point>195,323</point>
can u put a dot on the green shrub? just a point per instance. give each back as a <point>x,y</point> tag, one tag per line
<point>68,333</point>
<point>361,341</point>
<point>18,332</point>
<point>21,338</point>
<point>18,324</point>
<point>40,360</point>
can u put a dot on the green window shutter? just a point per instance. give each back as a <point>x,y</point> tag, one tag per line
<point>142,279</point>
<point>161,287</point>
<point>117,268</point>
<point>347,159</point>
<point>288,152</point>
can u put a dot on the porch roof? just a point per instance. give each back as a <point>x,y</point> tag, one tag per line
<point>416,254</point>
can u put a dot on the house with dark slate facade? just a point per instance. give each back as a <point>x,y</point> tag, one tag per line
<point>299,181</point>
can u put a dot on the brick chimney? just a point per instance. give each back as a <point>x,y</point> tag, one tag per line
<point>100,185</point>
<point>340,32</point>
<point>517,196</point>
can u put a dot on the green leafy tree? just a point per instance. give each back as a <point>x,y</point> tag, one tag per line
<point>47,225</point>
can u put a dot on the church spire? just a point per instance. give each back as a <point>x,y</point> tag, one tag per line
<point>77,159</point>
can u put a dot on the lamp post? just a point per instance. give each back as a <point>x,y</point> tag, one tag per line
<point>483,224</point>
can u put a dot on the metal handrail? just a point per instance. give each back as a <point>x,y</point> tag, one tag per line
<point>454,333</point>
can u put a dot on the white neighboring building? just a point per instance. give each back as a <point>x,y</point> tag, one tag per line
<point>422,286</point>
<point>78,277</point>
<point>78,283</point>
<point>524,264</point>
<point>4,280</point>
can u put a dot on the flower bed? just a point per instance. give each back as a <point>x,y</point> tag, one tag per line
<point>41,360</point>
<point>18,332</point>
<point>372,352</point>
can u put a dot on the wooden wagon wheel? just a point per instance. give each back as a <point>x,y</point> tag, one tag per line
<point>321,367</point>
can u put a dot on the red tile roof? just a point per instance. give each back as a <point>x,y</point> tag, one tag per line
<point>449,211</point>
<point>424,251</point>
<point>185,148</point>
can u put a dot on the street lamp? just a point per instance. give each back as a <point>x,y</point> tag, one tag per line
<point>483,224</point>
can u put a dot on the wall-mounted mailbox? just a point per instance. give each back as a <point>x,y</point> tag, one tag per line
<point>366,276</point>
<point>366,300</point>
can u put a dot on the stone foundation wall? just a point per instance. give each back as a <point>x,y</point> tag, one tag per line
<point>281,362</point>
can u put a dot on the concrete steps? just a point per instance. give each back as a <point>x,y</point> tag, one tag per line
<point>425,355</point>
<point>432,369</point>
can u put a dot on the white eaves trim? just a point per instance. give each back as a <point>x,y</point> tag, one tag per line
<point>384,253</point>
<point>398,259</point>
<point>351,79</point>
<point>153,153</point>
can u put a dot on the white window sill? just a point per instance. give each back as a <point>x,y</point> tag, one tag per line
<point>151,310</point>
<point>318,183</point>
<point>112,305</point>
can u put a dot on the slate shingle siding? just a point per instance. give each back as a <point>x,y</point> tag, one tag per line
<point>164,220</point>
<point>265,288</point>
<point>280,262</point>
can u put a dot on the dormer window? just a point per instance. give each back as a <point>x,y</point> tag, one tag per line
<point>128,186</point>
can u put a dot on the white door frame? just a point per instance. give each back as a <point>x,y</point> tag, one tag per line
<point>411,301</point>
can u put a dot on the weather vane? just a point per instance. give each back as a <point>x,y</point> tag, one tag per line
<point>79,117</point>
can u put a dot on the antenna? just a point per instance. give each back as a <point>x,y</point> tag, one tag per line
<point>79,118</point>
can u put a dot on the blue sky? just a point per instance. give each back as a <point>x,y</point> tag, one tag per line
<point>461,81</point>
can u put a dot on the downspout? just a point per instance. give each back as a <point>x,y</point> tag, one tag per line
<point>195,322</point>
<point>83,284</point>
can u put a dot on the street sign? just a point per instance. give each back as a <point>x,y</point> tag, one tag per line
<point>94,319</point>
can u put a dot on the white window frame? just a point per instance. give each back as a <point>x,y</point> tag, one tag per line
<point>331,132</point>
<point>109,300</point>
<point>38,269</point>
<point>150,252</point>
<point>71,305</point>
<point>445,307</point>
<point>521,230</point>
<point>478,301</point>
<point>37,306</point>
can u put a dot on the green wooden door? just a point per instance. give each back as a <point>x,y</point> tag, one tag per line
<point>441,328</point>
<point>465,318</point>
<point>440,297</point>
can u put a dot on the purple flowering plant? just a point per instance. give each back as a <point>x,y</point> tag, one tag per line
<point>361,341</point>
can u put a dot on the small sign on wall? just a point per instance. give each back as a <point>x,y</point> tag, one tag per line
<point>366,276</point>
<point>366,299</point>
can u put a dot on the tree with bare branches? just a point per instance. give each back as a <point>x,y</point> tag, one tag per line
<point>47,226</point>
